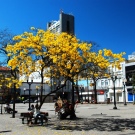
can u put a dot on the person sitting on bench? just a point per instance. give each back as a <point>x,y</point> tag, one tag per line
<point>32,109</point>
<point>7,108</point>
<point>58,105</point>
<point>37,115</point>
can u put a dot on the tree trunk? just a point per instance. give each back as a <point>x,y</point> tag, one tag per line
<point>42,82</point>
<point>73,92</point>
<point>14,97</point>
<point>95,93</point>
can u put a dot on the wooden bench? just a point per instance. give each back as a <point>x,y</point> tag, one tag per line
<point>25,115</point>
<point>28,116</point>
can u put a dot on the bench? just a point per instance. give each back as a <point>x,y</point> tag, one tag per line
<point>25,115</point>
<point>29,117</point>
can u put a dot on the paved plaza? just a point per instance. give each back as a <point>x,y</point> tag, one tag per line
<point>92,119</point>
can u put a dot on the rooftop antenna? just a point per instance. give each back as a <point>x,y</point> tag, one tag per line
<point>61,11</point>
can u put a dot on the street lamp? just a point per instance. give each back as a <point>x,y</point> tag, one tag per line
<point>114,78</point>
<point>81,94</point>
<point>63,94</point>
<point>1,103</point>
<point>29,83</point>
<point>1,97</point>
<point>88,90</point>
<point>124,84</point>
<point>24,89</point>
<point>37,94</point>
<point>62,83</point>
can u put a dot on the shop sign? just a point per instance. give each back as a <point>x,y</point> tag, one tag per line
<point>100,92</point>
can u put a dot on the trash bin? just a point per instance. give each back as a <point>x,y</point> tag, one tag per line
<point>108,100</point>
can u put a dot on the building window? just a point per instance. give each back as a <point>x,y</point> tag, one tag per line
<point>58,28</point>
<point>106,82</point>
<point>68,27</point>
<point>102,83</point>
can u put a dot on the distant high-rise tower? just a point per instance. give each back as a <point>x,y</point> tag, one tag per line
<point>64,24</point>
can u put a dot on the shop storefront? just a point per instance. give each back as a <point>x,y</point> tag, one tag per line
<point>131,95</point>
<point>101,97</point>
<point>119,96</point>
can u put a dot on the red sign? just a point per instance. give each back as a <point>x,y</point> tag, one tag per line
<point>101,92</point>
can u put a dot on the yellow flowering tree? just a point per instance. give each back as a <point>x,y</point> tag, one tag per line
<point>42,51</point>
<point>68,55</point>
<point>61,56</point>
<point>4,85</point>
<point>30,53</point>
<point>98,63</point>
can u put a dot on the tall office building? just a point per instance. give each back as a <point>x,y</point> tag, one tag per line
<point>64,24</point>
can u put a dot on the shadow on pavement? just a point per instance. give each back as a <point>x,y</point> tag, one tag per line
<point>99,124</point>
<point>5,131</point>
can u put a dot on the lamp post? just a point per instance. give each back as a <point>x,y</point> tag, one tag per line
<point>124,84</point>
<point>29,83</point>
<point>24,89</point>
<point>1,97</point>
<point>37,94</point>
<point>1,103</point>
<point>63,95</point>
<point>62,83</point>
<point>114,78</point>
<point>81,94</point>
<point>88,89</point>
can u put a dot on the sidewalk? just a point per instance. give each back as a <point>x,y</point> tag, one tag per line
<point>93,119</point>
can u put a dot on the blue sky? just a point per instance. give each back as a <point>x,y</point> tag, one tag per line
<point>109,23</point>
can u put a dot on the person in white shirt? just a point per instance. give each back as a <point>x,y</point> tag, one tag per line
<point>38,115</point>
